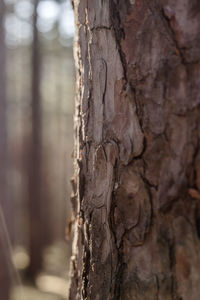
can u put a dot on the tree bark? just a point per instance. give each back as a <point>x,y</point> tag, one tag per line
<point>136,187</point>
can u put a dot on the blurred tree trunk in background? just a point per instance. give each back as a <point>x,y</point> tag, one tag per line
<point>35,205</point>
<point>40,199</point>
<point>137,159</point>
<point>3,129</point>
<point>5,281</point>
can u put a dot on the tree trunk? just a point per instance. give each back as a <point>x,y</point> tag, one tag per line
<point>5,228</point>
<point>137,160</point>
<point>39,192</point>
<point>35,213</point>
<point>3,127</point>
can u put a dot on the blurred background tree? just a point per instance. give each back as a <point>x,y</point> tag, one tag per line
<point>36,130</point>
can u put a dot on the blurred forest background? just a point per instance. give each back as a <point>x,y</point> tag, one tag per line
<point>36,144</point>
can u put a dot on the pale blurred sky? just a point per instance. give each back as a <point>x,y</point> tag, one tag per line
<point>18,26</point>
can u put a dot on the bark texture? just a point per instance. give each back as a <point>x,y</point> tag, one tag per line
<point>137,160</point>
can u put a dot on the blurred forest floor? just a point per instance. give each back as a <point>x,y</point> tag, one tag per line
<point>52,283</point>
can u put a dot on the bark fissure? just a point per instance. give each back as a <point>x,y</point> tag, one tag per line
<point>119,34</point>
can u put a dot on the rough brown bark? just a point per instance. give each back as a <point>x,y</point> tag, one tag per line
<point>137,159</point>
